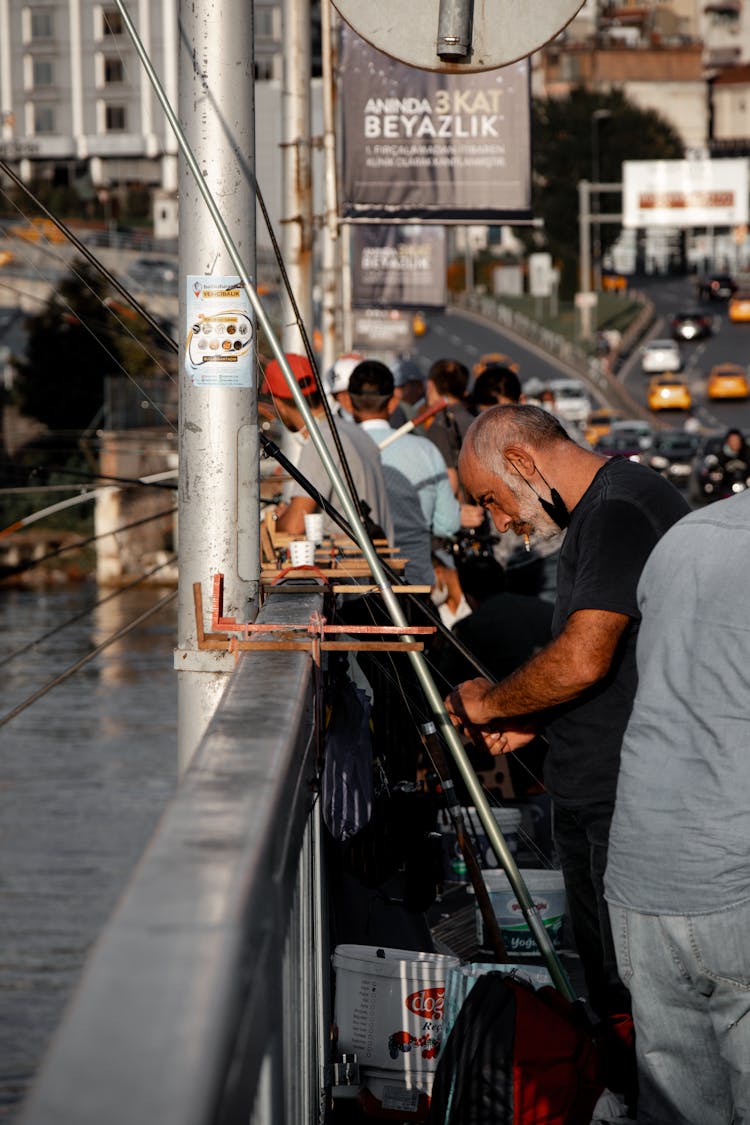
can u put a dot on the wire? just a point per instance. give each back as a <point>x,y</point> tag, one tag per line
<point>6,718</point>
<point>85,612</point>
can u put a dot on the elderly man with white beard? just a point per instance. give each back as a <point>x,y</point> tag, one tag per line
<point>521,466</point>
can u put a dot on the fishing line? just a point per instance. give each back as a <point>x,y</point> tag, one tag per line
<point>123,632</point>
<point>21,568</point>
<point>90,258</point>
<point>145,482</point>
<point>85,612</point>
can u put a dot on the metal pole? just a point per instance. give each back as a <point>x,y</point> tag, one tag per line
<point>297,170</point>
<point>584,236</point>
<point>432,695</point>
<point>219,509</point>
<point>454,29</point>
<point>331,242</point>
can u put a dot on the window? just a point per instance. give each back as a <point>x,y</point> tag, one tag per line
<point>263,69</point>
<point>42,73</point>
<point>115,118</point>
<point>114,71</point>
<point>42,24</point>
<point>112,22</point>
<point>263,20</point>
<point>44,119</point>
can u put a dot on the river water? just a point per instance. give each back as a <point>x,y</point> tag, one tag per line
<point>85,773</point>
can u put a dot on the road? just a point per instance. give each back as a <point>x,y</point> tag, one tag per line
<point>454,335</point>
<point>730,342</point>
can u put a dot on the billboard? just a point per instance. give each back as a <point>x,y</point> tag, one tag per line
<point>421,144</point>
<point>398,264</point>
<point>684,193</point>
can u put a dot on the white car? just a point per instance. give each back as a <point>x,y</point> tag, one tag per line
<point>571,400</point>
<point>660,356</point>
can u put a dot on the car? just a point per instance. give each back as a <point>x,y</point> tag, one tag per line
<point>693,324</point>
<point>419,324</point>
<point>658,356</point>
<point>492,359</point>
<point>639,427</point>
<point>613,282</point>
<point>154,271</point>
<point>727,380</point>
<point>38,229</point>
<point>571,400</point>
<point>716,287</point>
<point>672,454</point>
<point>599,424</point>
<point>668,392</point>
<point>6,257</point>
<point>738,309</point>
<point>626,444</point>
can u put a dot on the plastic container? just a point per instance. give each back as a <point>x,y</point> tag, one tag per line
<point>508,821</point>
<point>314,527</point>
<point>547,890</point>
<point>389,1012</point>
<point>302,552</point>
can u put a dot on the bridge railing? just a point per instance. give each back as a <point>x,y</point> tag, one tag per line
<point>206,998</point>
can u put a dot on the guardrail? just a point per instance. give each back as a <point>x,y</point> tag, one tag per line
<point>580,363</point>
<point>206,999</point>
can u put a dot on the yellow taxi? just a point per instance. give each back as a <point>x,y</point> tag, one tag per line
<point>38,229</point>
<point>490,359</point>
<point>6,256</point>
<point>419,324</point>
<point>599,424</point>
<point>738,310</point>
<point>727,380</point>
<point>669,392</point>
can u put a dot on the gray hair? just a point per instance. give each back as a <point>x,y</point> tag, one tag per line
<point>500,426</point>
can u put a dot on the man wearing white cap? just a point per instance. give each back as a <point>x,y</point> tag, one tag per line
<point>336,383</point>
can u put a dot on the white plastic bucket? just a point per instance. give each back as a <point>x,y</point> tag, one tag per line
<point>389,1008</point>
<point>547,891</point>
<point>508,821</point>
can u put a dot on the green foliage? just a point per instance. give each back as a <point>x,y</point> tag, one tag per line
<point>563,153</point>
<point>80,337</point>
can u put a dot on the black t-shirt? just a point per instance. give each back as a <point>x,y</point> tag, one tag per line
<point>448,431</point>
<point>613,529</point>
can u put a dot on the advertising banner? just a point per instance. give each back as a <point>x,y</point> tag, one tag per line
<point>684,193</point>
<point>398,264</point>
<point>421,144</point>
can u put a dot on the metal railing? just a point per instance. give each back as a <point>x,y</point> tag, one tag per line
<point>206,999</point>
<point>579,362</point>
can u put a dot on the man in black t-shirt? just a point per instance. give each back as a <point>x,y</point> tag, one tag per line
<point>532,479</point>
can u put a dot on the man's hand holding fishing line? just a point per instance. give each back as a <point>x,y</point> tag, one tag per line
<point>471,711</point>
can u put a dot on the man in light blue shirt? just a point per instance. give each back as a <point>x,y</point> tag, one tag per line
<point>420,497</point>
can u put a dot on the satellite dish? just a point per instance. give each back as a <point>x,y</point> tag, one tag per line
<point>458,35</point>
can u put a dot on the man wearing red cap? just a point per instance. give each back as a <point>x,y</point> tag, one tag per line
<point>360,451</point>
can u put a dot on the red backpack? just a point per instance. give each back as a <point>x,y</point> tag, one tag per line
<point>516,1056</point>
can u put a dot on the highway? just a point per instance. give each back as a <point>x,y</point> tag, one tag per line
<point>461,336</point>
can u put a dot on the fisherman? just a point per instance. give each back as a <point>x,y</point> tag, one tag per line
<point>361,453</point>
<point>411,464</point>
<point>678,874</point>
<point>336,383</point>
<point>519,464</point>
<point>448,379</point>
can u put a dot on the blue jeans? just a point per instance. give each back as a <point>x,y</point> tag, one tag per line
<point>689,979</point>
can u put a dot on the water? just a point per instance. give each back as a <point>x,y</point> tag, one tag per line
<point>85,773</point>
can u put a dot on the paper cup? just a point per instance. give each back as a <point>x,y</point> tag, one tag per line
<point>314,527</point>
<point>302,552</point>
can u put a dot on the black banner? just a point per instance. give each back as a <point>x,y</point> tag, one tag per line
<point>422,144</point>
<point>398,264</point>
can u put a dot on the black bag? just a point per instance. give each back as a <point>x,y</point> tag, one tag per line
<point>516,1056</point>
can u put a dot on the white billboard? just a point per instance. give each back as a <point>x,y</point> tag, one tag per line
<point>684,193</point>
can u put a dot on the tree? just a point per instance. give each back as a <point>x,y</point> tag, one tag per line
<point>562,155</point>
<point>79,338</point>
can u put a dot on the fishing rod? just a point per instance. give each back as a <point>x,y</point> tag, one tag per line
<point>153,481</point>
<point>72,501</point>
<point>21,568</point>
<point>442,720</point>
<point>272,450</point>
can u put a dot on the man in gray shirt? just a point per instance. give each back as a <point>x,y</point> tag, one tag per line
<point>678,871</point>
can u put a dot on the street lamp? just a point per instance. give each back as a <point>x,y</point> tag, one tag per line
<point>597,116</point>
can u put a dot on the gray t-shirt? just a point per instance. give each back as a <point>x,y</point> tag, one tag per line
<point>363,458</point>
<point>680,837</point>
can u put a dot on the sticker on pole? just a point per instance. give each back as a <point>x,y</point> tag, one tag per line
<point>458,35</point>
<point>219,337</point>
